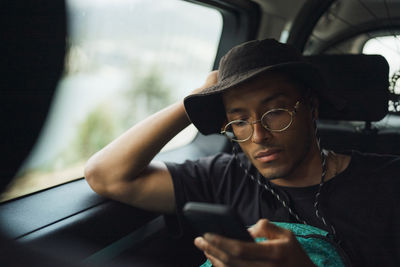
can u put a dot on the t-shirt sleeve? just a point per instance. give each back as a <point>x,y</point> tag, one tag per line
<point>197,181</point>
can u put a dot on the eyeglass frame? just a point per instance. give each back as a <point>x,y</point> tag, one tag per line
<point>291,112</point>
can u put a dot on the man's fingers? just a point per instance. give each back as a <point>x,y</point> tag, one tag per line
<point>232,247</point>
<point>211,80</point>
<point>214,261</point>
<point>217,254</point>
<point>263,228</point>
<point>268,250</point>
<point>237,262</point>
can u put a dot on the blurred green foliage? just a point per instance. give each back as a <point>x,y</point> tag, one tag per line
<point>96,131</point>
<point>146,95</point>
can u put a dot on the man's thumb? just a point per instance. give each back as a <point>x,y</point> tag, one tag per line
<point>264,228</point>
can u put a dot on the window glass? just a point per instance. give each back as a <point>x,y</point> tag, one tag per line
<point>126,60</point>
<point>388,47</point>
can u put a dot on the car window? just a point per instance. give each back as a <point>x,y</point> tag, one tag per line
<point>389,47</point>
<point>126,59</point>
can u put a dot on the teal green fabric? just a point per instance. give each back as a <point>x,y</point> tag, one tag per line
<point>315,242</point>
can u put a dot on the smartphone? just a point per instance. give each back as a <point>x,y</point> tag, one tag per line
<point>215,218</point>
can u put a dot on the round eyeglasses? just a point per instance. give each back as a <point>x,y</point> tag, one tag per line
<point>274,120</point>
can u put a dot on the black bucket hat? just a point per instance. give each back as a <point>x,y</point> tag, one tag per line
<point>239,65</point>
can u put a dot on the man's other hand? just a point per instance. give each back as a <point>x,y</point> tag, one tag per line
<point>281,248</point>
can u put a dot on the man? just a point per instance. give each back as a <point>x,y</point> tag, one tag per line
<point>265,100</point>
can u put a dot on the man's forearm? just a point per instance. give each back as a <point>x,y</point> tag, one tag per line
<point>122,171</point>
<point>128,155</point>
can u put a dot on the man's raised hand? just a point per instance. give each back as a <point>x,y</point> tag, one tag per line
<point>211,80</point>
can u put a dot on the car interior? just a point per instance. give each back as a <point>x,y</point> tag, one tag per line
<point>69,220</point>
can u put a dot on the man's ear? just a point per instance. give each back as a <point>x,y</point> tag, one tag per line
<point>224,123</point>
<point>311,100</point>
<point>315,106</point>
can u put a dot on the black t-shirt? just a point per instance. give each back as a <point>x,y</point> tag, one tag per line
<point>362,202</point>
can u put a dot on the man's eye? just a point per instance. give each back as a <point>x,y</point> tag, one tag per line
<point>275,113</point>
<point>239,123</point>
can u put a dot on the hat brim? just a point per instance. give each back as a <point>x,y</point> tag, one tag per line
<point>206,110</point>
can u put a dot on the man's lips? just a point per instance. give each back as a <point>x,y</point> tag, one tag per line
<point>267,155</point>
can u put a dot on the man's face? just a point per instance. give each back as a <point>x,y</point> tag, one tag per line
<point>274,154</point>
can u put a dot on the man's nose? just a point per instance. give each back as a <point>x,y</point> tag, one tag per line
<point>260,134</point>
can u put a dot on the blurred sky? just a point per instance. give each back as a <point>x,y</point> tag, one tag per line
<point>115,41</point>
<point>389,47</point>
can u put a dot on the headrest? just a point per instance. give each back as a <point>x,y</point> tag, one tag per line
<point>359,84</point>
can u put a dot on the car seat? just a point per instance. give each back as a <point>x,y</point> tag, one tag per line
<point>359,85</point>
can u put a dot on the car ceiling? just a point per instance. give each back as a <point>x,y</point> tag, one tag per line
<point>341,20</point>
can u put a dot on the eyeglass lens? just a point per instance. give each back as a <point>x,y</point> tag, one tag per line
<point>273,120</point>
